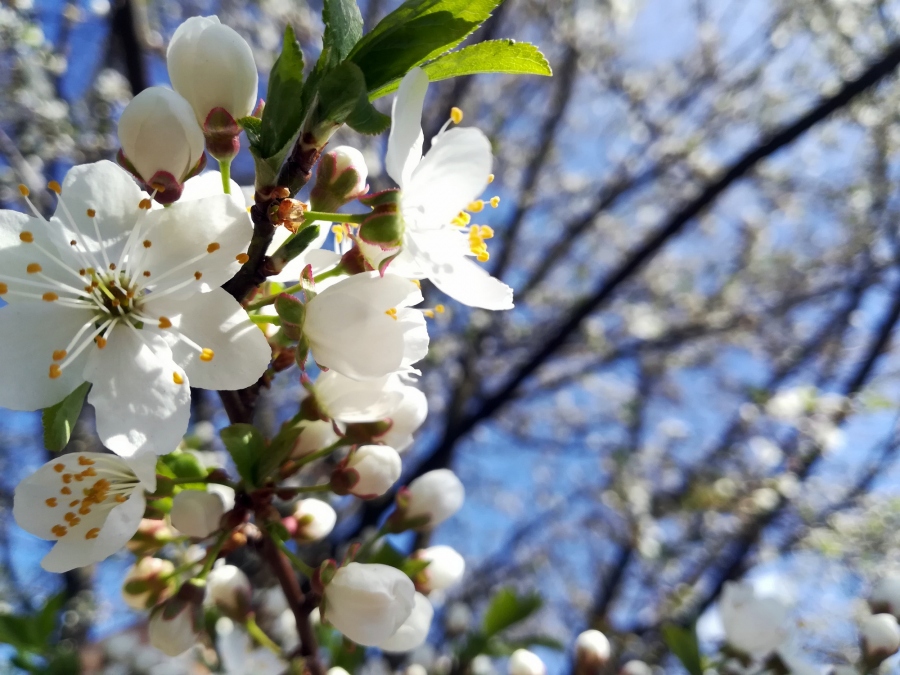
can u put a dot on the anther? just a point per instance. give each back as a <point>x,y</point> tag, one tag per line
<point>3,289</point>
<point>59,530</point>
<point>84,461</point>
<point>59,468</point>
<point>164,322</point>
<point>121,499</point>
<point>392,313</point>
<point>92,533</point>
<point>439,309</point>
<point>206,355</point>
<point>490,178</point>
<point>53,186</point>
<point>212,248</point>
<point>145,204</point>
<point>338,231</point>
<point>147,243</point>
<point>73,243</point>
<point>24,191</point>
<point>146,273</point>
<point>26,236</point>
<point>74,503</point>
<point>159,187</point>
<point>198,275</point>
<point>51,502</point>
<point>101,342</point>
<point>91,213</point>
<point>495,201</point>
<point>112,267</point>
<point>33,268</point>
<point>475,206</point>
<point>55,371</point>
<point>242,258</point>
<point>177,379</point>
<point>49,297</point>
<point>456,115</point>
<point>65,491</point>
<point>59,355</point>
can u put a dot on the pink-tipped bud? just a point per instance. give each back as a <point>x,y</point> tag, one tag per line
<point>340,178</point>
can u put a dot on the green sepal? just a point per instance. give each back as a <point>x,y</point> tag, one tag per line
<point>247,448</point>
<point>60,419</point>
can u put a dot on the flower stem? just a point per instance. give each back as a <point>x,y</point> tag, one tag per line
<point>333,272</point>
<point>298,564</point>
<point>335,217</point>
<point>318,454</point>
<point>225,170</point>
<point>260,636</point>
<point>213,552</point>
<point>270,299</point>
<point>263,318</point>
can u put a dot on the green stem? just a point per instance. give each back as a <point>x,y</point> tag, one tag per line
<point>333,272</point>
<point>270,299</point>
<point>259,635</point>
<point>212,553</point>
<point>225,170</point>
<point>335,217</point>
<point>264,318</point>
<point>318,454</point>
<point>298,564</point>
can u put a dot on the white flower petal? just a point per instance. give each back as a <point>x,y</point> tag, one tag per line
<point>209,184</point>
<point>139,405</point>
<point>453,174</point>
<point>438,254</point>
<point>112,193</point>
<point>30,333</point>
<point>414,630</point>
<point>202,237</point>
<point>350,401</point>
<point>405,141</point>
<point>215,321</point>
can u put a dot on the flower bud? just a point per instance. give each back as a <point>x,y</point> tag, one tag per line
<point>151,536</point>
<point>336,670</point>
<point>196,513</point>
<point>316,435</point>
<point>879,636</point>
<point>885,595</point>
<point>228,588</point>
<point>592,652</point>
<point>162,144</point>
<point>368,603</point>
<point>340,178</point>
<point>635,667</point>
<point>414,630</point>
<point>368,473</point>
<point>754,625</point>
<point>148,582</point>
<point>213,68</point>
<point>445,568</point>
<point>434,496</point>
<point>315,520</point>
<point>524,662</point>
<point>384,226</point>
<point>175,625</point>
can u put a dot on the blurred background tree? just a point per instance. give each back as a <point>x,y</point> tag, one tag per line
<point>698,383</point>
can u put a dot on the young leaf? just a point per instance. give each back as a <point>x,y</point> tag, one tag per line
<point>247,448</point>
<point>46,618</point>
<point>683,643</point>
<point>493,56</point>
<point>343,29</point>
<point>365,119</point>
<point>507,609</point>
<point>415,32</point>
<point>59,419</point>
<point>282,116</point>
<point>252,127</point>
<point>339,93</point>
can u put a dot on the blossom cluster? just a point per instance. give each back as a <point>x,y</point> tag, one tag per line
<point>118,299</point>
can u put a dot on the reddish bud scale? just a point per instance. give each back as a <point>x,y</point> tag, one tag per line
<point>222,135</point>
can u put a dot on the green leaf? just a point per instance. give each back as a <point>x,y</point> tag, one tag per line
<point>282,116</point>
<point>252,126</point>
<point>388,555</point>
<point>493,56</point>
<point>415,32</point>
<point>339,93</point>
<point>280,448</point>
<point>17,631</point>
<point>683,644</point>
<point>365,119</point>
<point>507,609</point>
<point>45,621</point>
<point>59,420</point>
<point>247,448</point>
<point>343,29</point>
<point>63,662</point>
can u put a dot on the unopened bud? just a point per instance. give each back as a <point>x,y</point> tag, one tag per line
<point>162,144</point>
<point>879,636</point>
<point>592,652</point>
<point>315,520</point>
<point>148,582</point>
<point>384,226</point>
<point>445,568</point>
<point>414,630</point>
<point>368,473</point>
<point>524,662</point>
<point>151,536</point>
<point>340,178</point>
<point>196,513</point>
<point>433,497</point>
<point>635,667</point>
<point>885,595</point>
<point>175,625</point>
<point>228,588</point>
<point>292,312</point>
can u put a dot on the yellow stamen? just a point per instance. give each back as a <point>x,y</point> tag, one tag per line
<point>3,289</point>
<point>439,309</point>
<point>24,191</point>
<point>207,355</point>
<point>145,204</point>
<point>51,502</point>
<point>65,491</point>
<point>59,468</point>
<point>456,115</point>
<point>60,531</point>
<point>53,186</point>
<point>495,201</point>
<point>84,461</point>
<point>490,178</point>
<point>59,355</point>
<point>33,268</point>
<point>55,371</point>
<point>49,297</point>
<point>101,342</point>
<point>213,247</point>
<point>91,213</point>
<point>242,258</point>
<point>476,206</point>
<point>338,233</point>
<point>198,275</point>
<point>26,236</point>
<point>164,322</point>
<point>93,533</point>
<point>392,313</point>
<point>177,379</point>
<point>147,243</point>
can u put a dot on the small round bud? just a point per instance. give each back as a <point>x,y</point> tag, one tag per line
<point>414,630</point>
<point>370,471</point>
<point>148,582</point>
<point>524,662</point>
<point>445,568</point>
<point>368,603</point>
<point>315,520</point>
<point>879,636</point>
<point>212,67</point>
<point>885,595</point>
<point>635,667</point>
<point>161,140</point>
<point>436,495</point>
<point>229,589</point>
<point>592,652</point>
<point>197,514</point>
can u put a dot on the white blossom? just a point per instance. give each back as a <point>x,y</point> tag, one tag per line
<point>885,595</point>
<point>196,513</point>
<point>174,626</point>
<point>315,520</point>
<point>89,503</point>
<point>368,603</point>
<point>445,567</point>
<point>314,435</point>
<point>212,66</point>
<point>436,189</point>
<point>437,495</point>
<point>524,662</point>
<point>127,298</point>
<point>592,652</point>
<point>880,636</point>
<point>754,625</point>
<point>372,470</point>
<point>414,630</point>
<point>239,656</point>
<point>229,589</point>
<point>365,328</point>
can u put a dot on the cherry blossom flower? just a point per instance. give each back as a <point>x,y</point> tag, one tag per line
<point>414,630</point>
<point>436,190</point>
<point>89,503</point>
<point>127,297</point>
<point>754,625</point>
